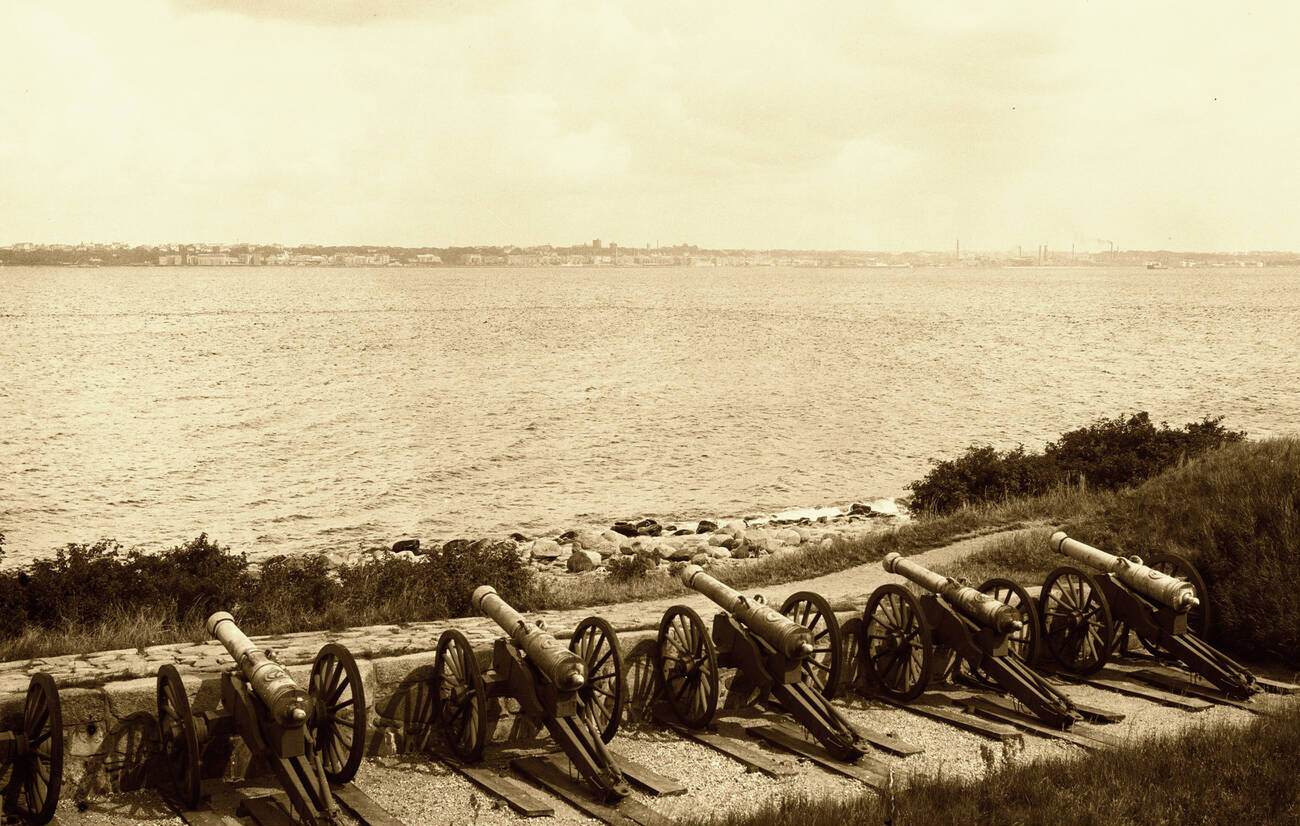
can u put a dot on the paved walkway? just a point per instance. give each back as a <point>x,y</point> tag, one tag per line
<point>847,589</point>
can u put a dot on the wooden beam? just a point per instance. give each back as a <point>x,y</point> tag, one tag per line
<point>739,750</point>
<point>965,722</point>
<point>1188,688</point>
<point>569,790</point>
<point>265,810</point>
<point>521,799</point>
<point>867,771</point>
<point>363,807</point>
<point>647,778</point>
<point>1128,688</point>
<point>1003,711</point>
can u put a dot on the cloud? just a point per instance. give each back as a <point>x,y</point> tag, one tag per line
<point>334,12</point>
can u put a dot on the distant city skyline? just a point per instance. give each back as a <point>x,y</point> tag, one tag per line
<point>887,126</point>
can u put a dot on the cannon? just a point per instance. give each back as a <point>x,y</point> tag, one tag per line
<point>309,739</point>
<point>907,641</point>
<point>786,663</point>
<point>31,757</point>
<point>575,692</point>
<point>1087,616</point>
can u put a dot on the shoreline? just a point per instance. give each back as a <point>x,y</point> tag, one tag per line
<point>591,536</point>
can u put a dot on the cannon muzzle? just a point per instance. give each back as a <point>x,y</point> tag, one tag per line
<point>972,604</point>
<point>273,686</point>
<point>1176,593</point>
<point>560,665</point>
<point>781,632</point>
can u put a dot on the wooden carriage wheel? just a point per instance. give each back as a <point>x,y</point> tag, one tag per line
<point>824,666</point>
<point>338,712</point>
<point>1077,627</point>
<point>1180,567</point>
<point>37,776</point>
<point>1025,643</point>
<point>460,695</point>
<point>603,693</point>
<point>896,648</point>
<point>687,669</point>
<point>178,736</point>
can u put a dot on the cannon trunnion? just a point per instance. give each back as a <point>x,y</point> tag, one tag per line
<point>31,756</point>
<point>791,664</point>
<point>309,739</point>
<point>990,633</point>
<point>575,692</point>
<point>1088,616</point>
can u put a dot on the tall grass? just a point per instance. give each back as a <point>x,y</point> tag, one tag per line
<point>1209,774</point>
<point>1236,514</point>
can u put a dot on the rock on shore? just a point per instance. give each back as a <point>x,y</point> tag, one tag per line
<point>706,541</point>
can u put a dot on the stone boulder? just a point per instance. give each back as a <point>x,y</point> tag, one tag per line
<point>789,536</point>
<point>412,545</point>
<point>455,546</point>
<point>649,527</point>
<point>580,561</point>
<point>624,528</point>
<point>706,526</point>
<point>700,559</point>
<point>545,549</point>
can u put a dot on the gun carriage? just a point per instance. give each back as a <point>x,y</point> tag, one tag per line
<point>575,692</point>
<point>1085,615</point>
<point>31,756</point>
<point>790,664</point>
<point>309,739</point>
<point>990,632</point>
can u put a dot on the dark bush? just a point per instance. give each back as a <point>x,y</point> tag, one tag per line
<point>87,584</point>
<point>627,568</point>
<point>1107,454</point>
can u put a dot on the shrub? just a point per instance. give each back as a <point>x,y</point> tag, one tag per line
<point>87,585</point>
<point>628,568</point>
<point>1108,454</point>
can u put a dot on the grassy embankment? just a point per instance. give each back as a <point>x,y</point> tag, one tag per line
<point>1208,775</point>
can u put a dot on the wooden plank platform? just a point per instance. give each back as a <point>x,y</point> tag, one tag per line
<point>866,770</point>
<point>576,794</point>
<point>265,810</point>
<point>1004,711</point>
<point>206,817</point>
<point>937,709</point>
<point>889,743</point>
<point>1120,684</point>
<point>1188,688</point>
<point>647,778</point>
<point>1098,715</point>
<point>1277,686</point>
<point>363,807</point>
<point>739,750</point>
<point>522,800</point>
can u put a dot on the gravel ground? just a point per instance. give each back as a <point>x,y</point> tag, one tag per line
<point>419,791</point>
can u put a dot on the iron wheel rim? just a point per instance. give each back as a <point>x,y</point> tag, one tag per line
<point>687,667</point>
<point>38,771</point>
<point>461,696</point>
<point>595,641</point>
<point>894,635</point>
<point>339,712</point>
<point>1078,630</point>
<point>824,667</point>
<point>178,736</point>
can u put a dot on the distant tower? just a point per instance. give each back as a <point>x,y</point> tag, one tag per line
<point>595,244</point>
<point>958,249</point>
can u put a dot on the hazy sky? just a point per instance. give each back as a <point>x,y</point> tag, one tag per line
<point>866,125</point>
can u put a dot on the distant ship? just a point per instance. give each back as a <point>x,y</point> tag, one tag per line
<point>1155,265</point>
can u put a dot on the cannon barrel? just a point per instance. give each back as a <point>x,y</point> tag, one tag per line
<point>563,667</point>
<point>782,633</point>
<point>976,606</point>
<point>1167,590</point>
<point>270,682</point>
